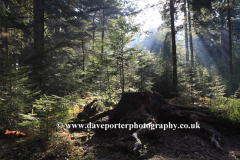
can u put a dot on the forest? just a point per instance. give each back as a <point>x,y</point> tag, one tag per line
<point>102,62</point>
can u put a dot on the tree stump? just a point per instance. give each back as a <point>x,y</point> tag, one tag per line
<point>150,108</point>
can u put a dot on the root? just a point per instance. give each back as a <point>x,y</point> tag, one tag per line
<point>135,136</point>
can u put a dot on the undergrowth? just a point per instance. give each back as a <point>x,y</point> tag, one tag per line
<point>40,127</point>
<point>226,107</point>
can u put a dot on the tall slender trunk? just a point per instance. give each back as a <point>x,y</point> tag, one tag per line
<point>186,33</point>
<point>83,55</point>
<point>123,81</point>
<point>93,37</point>
<point>120,72</point>
<point>108,76</point>
<point>223,37</point>
<point>190,35</point>
<point>166,78</point>
<point>83,59</point>
<point>38,29</point>
<point>102,48</point>
<point>141,83</point>
<point>230,40</point>
<point>174,54</point>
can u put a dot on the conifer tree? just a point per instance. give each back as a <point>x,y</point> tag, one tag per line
<point>120,34</point>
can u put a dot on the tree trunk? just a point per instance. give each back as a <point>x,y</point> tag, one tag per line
<point>93,37</point>
<point>186,33</point>
<point>174,54</point>
<point>123,80</point>
<point>108,77</point>
<point>223,36</point>
<point>38,28</point>
<point>83,55</point>
<point>102,48</point>
<point>190,35</point>
<point>230,41</point>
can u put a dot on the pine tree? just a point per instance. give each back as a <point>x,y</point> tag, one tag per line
<point>120,34</point>
<point>217,88</point>
<point>144,71</point>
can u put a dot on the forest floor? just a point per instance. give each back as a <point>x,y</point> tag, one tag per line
<point>178,144</point>
<point>91,145</point>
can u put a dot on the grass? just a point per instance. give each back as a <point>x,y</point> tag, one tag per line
<point>226,107</point>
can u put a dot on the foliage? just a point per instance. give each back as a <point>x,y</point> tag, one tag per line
<point>197,82</point>
<point>46,113</point>
<point>226,107</point>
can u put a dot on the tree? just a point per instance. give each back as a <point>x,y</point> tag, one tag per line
<point>186,32</point>
<point>230,40</point>
<point>220,32</point>
<point>223,36</point>
<point>144,70</point>
<point>190,35</point>
<point>38,29</point>
<point>174,54</point>
<point>121,33</point>
<point>13,76</point>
